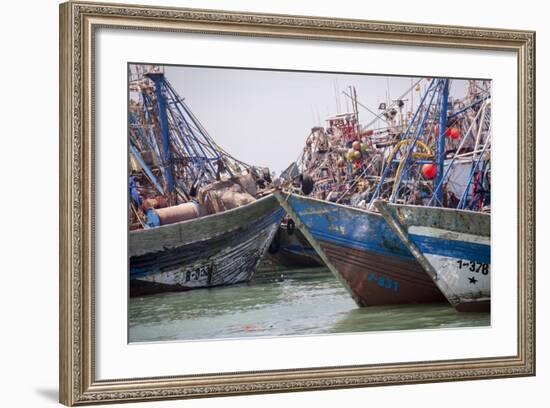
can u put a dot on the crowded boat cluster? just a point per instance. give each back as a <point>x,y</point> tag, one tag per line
<point>396,204</point>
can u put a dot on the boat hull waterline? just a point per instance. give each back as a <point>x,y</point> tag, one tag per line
<point>216,250</point>
<point>362,252</point>
<point>454,247</point>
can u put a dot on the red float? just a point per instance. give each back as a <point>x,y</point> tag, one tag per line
<point>454,133</point>
<point>429,170</point>
<point>447,131</point>
<point>451,132</point>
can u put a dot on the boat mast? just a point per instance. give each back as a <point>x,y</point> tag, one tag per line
<point>441,140</point>
<point>158,79</point>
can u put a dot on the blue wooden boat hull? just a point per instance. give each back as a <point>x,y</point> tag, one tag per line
<point>363,252</point>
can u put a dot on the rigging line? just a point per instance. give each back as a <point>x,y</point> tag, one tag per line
<point>360,104</point>
<point>393,104</point>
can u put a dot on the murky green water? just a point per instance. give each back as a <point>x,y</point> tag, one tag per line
<point>303,302</point>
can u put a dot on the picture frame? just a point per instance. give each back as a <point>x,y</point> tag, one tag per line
<point>79,22</point>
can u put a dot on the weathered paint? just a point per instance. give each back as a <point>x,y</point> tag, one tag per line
<point>362,251</point>
<point>454,246</point>
<point>220,249</point>
<point>377,278</point>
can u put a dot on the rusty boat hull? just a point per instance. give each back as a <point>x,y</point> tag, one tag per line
<point>362,251</point>
<point>216,250</point>
<point>453,246</point>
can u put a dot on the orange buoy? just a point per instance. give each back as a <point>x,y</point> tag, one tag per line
<point>429,170</point>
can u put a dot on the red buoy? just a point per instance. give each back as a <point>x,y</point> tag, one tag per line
<point>454,133</point>
<point>429,170</point>
<point>449,132</point>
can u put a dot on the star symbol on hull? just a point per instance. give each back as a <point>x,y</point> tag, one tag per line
<point>473,280</point>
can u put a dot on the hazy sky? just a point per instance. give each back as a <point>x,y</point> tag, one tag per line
<point>264,117</point>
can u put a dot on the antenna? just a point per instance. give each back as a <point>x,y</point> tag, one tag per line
<point>337,95</point>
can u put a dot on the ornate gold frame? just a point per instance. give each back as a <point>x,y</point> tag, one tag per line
<point>78,22</point>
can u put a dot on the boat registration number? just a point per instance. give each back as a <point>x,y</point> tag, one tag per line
<point>197,273</point>
<point>384,281</point>
<point>473,266</point>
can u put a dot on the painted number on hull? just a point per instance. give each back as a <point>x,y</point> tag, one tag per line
<point>384,281</point>
<point>195,274</point>
<point>473,266</point>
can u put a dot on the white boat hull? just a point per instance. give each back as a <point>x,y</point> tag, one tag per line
<point>453,246</point>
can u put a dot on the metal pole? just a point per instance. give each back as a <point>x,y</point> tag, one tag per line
<point>386,169</point>
<point>463,199</point>
<point>441,141</point>
<point>419,130</point>
<point>157,78</point>
<point>459,112</point>
<point>135,152</point>
<point>456,155</point>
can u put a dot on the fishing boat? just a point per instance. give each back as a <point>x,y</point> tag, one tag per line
<point>452,245</point>
<point>438,157</point>
<point>198,217</point>
<point>362,251</point>
<point>291,249</point>
<point>215,250</point>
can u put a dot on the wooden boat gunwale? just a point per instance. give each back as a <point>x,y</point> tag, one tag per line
<point>148,240</point>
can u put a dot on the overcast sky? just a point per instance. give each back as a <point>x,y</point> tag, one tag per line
<point>264,117</point>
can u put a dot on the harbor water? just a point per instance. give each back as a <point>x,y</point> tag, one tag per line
<point>279,303</point>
